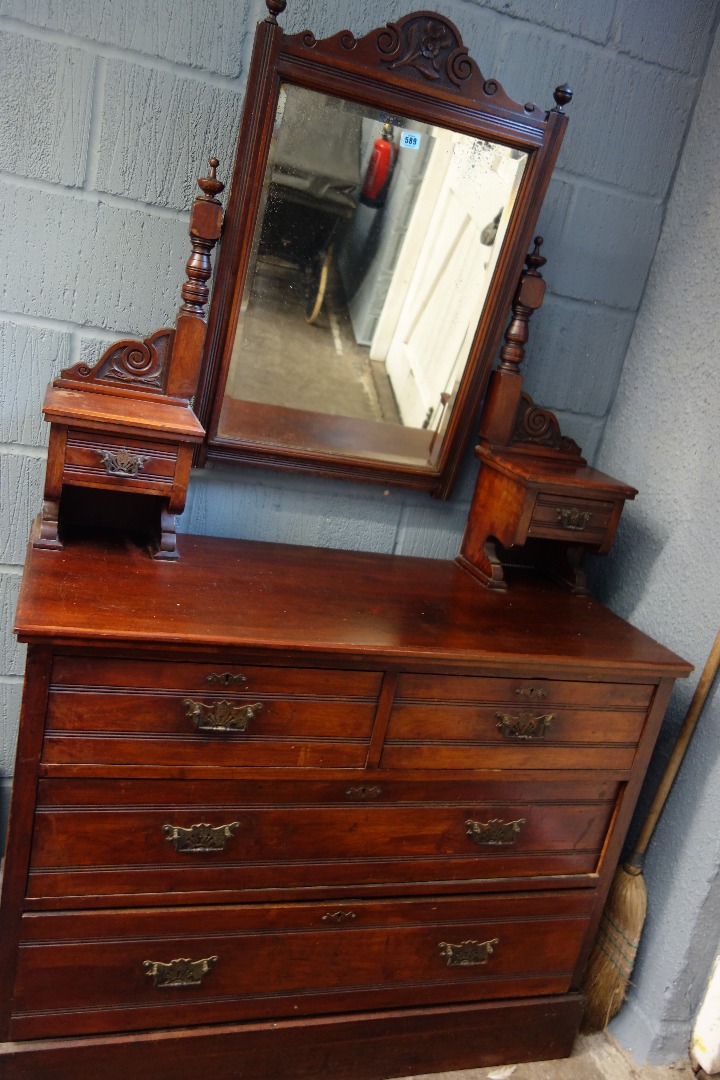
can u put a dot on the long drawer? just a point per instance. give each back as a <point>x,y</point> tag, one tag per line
<point>146,712</point>
<point>90,972</point>
<point>463,722</point>
<point>209,841</point>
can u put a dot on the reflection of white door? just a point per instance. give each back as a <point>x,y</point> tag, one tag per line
<point>427,325</point>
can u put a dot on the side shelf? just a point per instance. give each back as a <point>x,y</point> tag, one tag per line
<point>125,426</point>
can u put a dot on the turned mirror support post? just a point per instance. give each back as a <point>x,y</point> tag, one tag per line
<point>505,385</point>
<point>122,430</point>
<point>206,218</point>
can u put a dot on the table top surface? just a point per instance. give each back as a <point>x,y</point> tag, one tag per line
<point>318,601</point>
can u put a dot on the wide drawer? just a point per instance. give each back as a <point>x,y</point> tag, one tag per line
<point>155,713</point>
<point>220,841</point>
<point>458,722</point>
<point>125,971</point>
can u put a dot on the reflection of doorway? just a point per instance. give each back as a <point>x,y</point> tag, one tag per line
<point>443,272</point>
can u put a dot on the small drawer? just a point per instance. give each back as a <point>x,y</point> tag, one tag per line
<point>456,722</point>
<point>220,841</point>
<point>233,679</point>
<point>96,460</point>
<point>521,692</point>
<point>90,972</point>
<point>583,521</point>
<point>481,737</point>
<point>174,714</point>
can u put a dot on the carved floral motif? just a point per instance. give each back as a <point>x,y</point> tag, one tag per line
<point>429,46</point>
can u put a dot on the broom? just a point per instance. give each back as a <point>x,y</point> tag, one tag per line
<point>613,956</point>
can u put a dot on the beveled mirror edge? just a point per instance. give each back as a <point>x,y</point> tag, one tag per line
<point>359,70</point>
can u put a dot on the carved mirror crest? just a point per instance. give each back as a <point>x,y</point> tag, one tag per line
<point>383,197</point>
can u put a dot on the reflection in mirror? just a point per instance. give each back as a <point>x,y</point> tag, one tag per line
<point>375,247</point>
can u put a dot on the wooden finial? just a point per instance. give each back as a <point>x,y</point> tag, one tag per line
<point>210,185</point>
<point>563,96</point>
<point>275,7</point>
<point>534,260</point>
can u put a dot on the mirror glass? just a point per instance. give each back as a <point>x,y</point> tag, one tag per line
<point>374,250</point>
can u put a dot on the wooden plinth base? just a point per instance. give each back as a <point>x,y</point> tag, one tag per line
<point>364,1046</point>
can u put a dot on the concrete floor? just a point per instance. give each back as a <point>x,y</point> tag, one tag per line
<point>279,360</point>
<point>596,1057</point>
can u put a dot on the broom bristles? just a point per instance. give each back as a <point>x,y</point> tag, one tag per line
<point>613,956</point>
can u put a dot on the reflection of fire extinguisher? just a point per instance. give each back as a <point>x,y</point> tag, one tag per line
<point>380,169</point>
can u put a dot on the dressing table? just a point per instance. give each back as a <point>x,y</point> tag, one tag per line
<point>294,812</point>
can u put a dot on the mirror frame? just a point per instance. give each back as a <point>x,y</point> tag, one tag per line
<point>401,69</point>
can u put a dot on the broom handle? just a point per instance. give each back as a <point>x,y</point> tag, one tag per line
<point>688,726</point>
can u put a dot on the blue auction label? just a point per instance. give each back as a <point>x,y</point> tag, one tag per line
<point>410,139</point>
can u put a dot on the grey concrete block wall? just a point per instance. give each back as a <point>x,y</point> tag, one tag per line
<point>110,108</point>
<point>664,575</point>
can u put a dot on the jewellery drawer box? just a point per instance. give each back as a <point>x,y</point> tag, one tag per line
<point>94,460</point>
<point>114,971</point>
<point>559,517</point>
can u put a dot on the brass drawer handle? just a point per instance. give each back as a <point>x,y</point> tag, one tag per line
<point>494,832</point>
<point>122,463</point>
<point>339,916</point>
<point>533,692</point>
<point>225,679</point>
<point>199,838</point>
<point>523,725</point>
<point>575,520</point>
<point>363,792</point>
<point>467,953</point>
<point>182,972</point>
<point>221,715</point>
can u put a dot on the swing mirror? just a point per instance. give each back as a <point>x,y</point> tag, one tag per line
<point>383,198</point>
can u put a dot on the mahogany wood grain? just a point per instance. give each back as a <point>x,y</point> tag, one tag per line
<point>338,604</point>
<point>351,654</point>
<point>108,413</point>
<point>82,973</point>
<point>237,681</point>
<point>555,476</point>
<point>527,693</point>
<point>360,1046</point>
<point>98,839</point>
<point>522,493</point>
<point>16,861</point>
<point>335,443</point>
